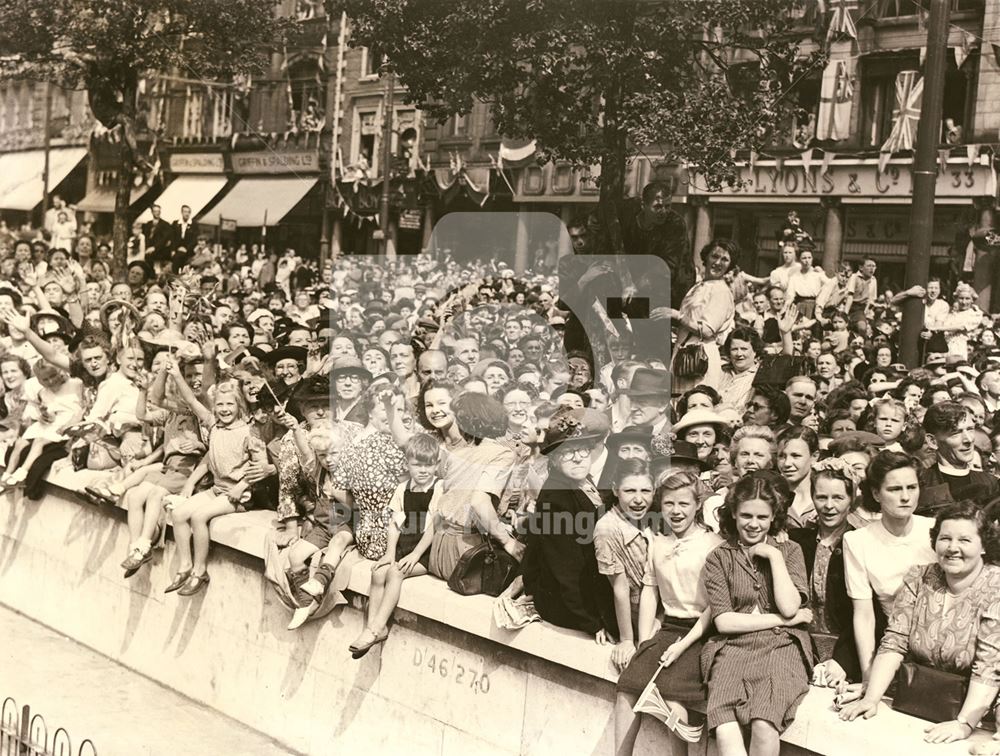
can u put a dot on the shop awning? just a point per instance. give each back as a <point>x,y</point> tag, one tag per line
<point>21,175</point>
<point>194,191</point>
<point>255,202</point>
<point>101,199</point>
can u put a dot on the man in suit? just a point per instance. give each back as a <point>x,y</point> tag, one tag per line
<point>159,238</point>
<point>185,233</point>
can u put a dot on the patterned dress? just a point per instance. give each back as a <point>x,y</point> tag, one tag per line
<point>371,469</point>
<point>762,674</point>
<point>953,633</point>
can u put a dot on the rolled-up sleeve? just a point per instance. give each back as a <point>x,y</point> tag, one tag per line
<point>904,610</point>
<point>720,597</point>
<point>986,662</point>
<point>608,561</point>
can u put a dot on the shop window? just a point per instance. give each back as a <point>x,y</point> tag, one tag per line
<point>878,93</point>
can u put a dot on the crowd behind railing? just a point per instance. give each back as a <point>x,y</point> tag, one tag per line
<point>772,503</point>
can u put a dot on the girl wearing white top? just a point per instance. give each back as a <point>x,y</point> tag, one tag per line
<point>673,578</point>
<point>877,556</point>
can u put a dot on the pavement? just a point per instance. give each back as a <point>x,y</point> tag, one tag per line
<point>122,712</point>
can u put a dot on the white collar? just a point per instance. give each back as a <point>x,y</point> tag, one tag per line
<point>956,472</point>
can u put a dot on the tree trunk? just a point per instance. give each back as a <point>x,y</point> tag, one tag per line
<point>123,194</point>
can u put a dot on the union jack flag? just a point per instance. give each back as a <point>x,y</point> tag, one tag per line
<point>909,94</point>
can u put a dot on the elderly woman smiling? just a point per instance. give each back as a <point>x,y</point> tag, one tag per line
<point>946,616</point>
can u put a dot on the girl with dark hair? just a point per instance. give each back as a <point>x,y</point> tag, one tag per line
<point>672,577</point>
<point>798,451</point>
<point>945,617</point>
<point>877,557</point>
<point>758,664</point>
<point>705,318</point>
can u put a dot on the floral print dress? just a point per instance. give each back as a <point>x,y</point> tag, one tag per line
<point>370,469</point>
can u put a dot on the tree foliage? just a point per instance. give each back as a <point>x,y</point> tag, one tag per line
<point>108,46</point>
<point>599,81</point>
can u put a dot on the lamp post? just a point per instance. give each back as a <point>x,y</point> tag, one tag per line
<point>388,249</point>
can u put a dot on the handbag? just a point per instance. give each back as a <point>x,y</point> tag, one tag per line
<point>929,693</point>
<point>691,361</point>
<point>485,568</point>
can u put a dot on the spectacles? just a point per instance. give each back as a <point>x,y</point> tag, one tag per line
<point>578,453</point>
<point>349,377</point>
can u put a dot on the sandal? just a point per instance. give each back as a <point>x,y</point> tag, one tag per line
<point>358,651</point>
<point>179,580</point>
<point>194,585</point>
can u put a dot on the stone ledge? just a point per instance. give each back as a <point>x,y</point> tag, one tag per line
<point>816,728</point>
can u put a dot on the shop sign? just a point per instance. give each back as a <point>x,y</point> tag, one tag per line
<point>265,161</point>
<point>560,182</point>
<point>409,220</point>
<point>856,180</point>
<point>196,162</point>
<point>227,224</point>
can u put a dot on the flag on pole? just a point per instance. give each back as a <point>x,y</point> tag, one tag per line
<point>651,702</point>
<point>833,121</point>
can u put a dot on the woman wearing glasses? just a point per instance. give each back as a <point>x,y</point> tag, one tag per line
<point>560,564</point>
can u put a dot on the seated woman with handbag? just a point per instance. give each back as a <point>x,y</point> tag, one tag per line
<point>943,638</point>
<point>560,562</point>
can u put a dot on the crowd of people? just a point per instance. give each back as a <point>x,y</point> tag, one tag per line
<point>743,495</point>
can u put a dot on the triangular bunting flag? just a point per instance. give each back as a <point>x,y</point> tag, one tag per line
<point>971,152</point>
<point>779,163</point>
<point>963,51</point>
<point>827,159</point>
<point>807,159</point>
<point>923,55</point>
<point>883,161</point>
<point>732,153</point>
<point>753,159</point>
<point>943,159</point>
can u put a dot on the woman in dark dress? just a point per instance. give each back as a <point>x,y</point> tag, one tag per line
<point>560,564</point>
<point>757,666</point>
<point>834,495</point>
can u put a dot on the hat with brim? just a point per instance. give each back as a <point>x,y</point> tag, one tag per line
<point>312,390</point>
<point>62,322</point>
<point>14,295</point>
<point>700,416</point>
<point>348,365</point>
<point>259,313</point>
<point>640,434</point>
<point>299,354</point>
<point>649,382</point>
<point>865,437</point>
<point>574,425</point>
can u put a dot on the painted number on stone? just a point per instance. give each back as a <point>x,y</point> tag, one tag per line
<point>450,669</point>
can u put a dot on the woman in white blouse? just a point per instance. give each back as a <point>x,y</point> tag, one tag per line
<point>964,320</point>
<point>673,578</point>
<point>877,557</point>
<point>706,316</point>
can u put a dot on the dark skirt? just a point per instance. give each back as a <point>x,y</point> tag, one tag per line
<point>681,681</point>
<point>407,543</point>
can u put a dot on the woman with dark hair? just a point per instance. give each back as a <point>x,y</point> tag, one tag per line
<point>743,348</point>
<point>699,397</point>
<point>474,473</point>
<point>946,616</point>
<point>435,414</point>
<point>14,371</point>
<point>877,557</point>
<point>672,578</point>
<point>705,318</point>
<point>798,451</point>
<point>757,665</point>
<point>834,486</point>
